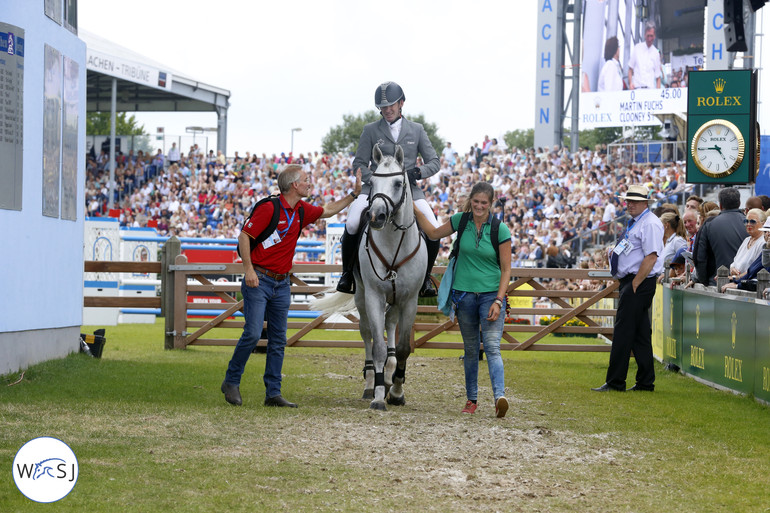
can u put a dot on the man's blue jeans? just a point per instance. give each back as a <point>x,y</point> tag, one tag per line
<point>472,310</point>
<point>269,301</point>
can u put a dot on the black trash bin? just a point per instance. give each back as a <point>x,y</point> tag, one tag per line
<point>95,342</point>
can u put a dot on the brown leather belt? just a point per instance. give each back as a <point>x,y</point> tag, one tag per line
<point>270,274</point>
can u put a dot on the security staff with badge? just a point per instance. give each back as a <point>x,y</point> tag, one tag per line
<point>266,244</point>
<point>634,261</point>
<point>393,129</point>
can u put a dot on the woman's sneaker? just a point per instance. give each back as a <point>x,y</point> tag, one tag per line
<point>501,407</point>
<point>470,407</point>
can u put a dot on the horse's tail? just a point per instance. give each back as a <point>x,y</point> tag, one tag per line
<point>336,302</point>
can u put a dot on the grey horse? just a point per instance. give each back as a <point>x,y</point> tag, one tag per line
<point>392,260</point>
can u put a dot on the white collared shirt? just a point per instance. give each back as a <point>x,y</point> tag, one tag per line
<point>395,129</point>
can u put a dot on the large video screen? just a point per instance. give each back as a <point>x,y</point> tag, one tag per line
<point>635,59</point>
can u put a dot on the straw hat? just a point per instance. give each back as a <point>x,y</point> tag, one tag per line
<point>636,193</point>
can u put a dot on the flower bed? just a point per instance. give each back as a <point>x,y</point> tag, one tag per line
<point>545,321</point>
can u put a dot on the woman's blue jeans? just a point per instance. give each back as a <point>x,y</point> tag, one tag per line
<point>472,310</point>
<point>269,302</point>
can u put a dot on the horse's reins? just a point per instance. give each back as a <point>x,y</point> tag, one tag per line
<point>392,268</point>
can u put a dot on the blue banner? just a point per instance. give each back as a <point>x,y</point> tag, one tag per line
<point>762,185</point>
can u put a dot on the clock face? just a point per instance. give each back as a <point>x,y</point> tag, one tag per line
<point>718,148</point>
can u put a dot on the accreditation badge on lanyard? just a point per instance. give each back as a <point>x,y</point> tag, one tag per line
<point>624,246</point>
<point>278,235</point>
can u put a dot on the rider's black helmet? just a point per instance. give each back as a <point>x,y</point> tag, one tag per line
<point>388,93</point>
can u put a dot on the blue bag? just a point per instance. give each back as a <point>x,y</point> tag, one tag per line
<point>445,290</point>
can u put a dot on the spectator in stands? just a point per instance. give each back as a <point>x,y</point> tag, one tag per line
<point>673,235</point>
<point>173,154</point>
<point>553,259</point>
<point>720,239</point>
<point>265,286</point>
<point>693,202</point>
<point>747,280</point>
<point>751,247</point>
<point>690,220</point>
<point>448,153</point>
<point>677,264</point>
<point>752,202</point>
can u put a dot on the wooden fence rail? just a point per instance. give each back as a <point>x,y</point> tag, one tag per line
<point>595,309</point>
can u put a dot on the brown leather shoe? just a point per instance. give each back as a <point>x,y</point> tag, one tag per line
<point>232,393</point>
<point>279,401</point>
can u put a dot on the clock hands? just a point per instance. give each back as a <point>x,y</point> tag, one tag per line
<point>718,150</point>
<point>721,154</point>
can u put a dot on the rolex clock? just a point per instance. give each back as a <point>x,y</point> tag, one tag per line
<point>717,148</point>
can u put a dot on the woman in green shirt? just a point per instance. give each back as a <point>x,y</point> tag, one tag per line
<point>479,289</point>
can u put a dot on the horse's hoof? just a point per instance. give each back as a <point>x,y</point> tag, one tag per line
<point>368,394</point>
<point>378,405</point>
<point>396,401</point>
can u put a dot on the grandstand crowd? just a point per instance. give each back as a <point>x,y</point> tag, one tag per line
<point>555,202</point>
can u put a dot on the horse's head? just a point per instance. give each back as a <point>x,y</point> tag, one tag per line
<point>389,187</point>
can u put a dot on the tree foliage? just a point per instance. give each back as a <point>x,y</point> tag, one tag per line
<point>344,137</point>
<point>520,139</point>
<point>590,138</point>
<point>98,123</point>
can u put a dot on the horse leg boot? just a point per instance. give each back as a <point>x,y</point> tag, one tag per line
<point>378,403</point>
<point>347,283</point>
<point>369,380</point>
<point>396,392</point>
<point>390,367</point>
<point>428,288</point>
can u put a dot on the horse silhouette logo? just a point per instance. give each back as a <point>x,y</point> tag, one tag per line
<point>45,468</point>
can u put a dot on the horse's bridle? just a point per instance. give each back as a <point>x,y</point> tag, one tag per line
<point>393,266</point>
<point>390,206</point>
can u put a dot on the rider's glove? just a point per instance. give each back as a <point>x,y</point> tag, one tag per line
<point>414,175</point>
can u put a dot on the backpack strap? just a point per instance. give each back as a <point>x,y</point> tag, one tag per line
<point>272,225</point>
<point>494,235</point>
<point>460,229</point>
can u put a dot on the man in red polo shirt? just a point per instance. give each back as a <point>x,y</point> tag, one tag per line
<point>266,287</point>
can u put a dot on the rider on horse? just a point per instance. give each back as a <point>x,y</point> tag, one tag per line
<point>392,129</point>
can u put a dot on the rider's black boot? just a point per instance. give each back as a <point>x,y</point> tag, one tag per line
<point>428,288</point>
<point>347,283</point>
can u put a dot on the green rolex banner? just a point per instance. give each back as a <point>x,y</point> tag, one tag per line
<point>721,127</point>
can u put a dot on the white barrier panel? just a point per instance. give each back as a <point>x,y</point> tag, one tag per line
<point>101,242</point>
<point>334,233</point>
<point>104,241</point>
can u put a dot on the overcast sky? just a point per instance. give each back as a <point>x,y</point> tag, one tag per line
<point>468,67</point>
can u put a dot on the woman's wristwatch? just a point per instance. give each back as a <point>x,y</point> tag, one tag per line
<point>500,301</point>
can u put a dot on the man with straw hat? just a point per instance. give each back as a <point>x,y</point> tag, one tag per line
<point>634,261</point>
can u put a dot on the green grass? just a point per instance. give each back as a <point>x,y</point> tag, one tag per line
<point>152,433</point>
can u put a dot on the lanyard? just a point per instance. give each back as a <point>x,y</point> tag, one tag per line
<point>290,220</point>
<point>633,222</point>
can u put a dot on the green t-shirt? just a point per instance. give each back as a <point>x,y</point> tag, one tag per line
<point>476,269</point>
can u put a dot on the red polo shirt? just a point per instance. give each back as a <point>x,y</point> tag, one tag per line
<point>279,257</point>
